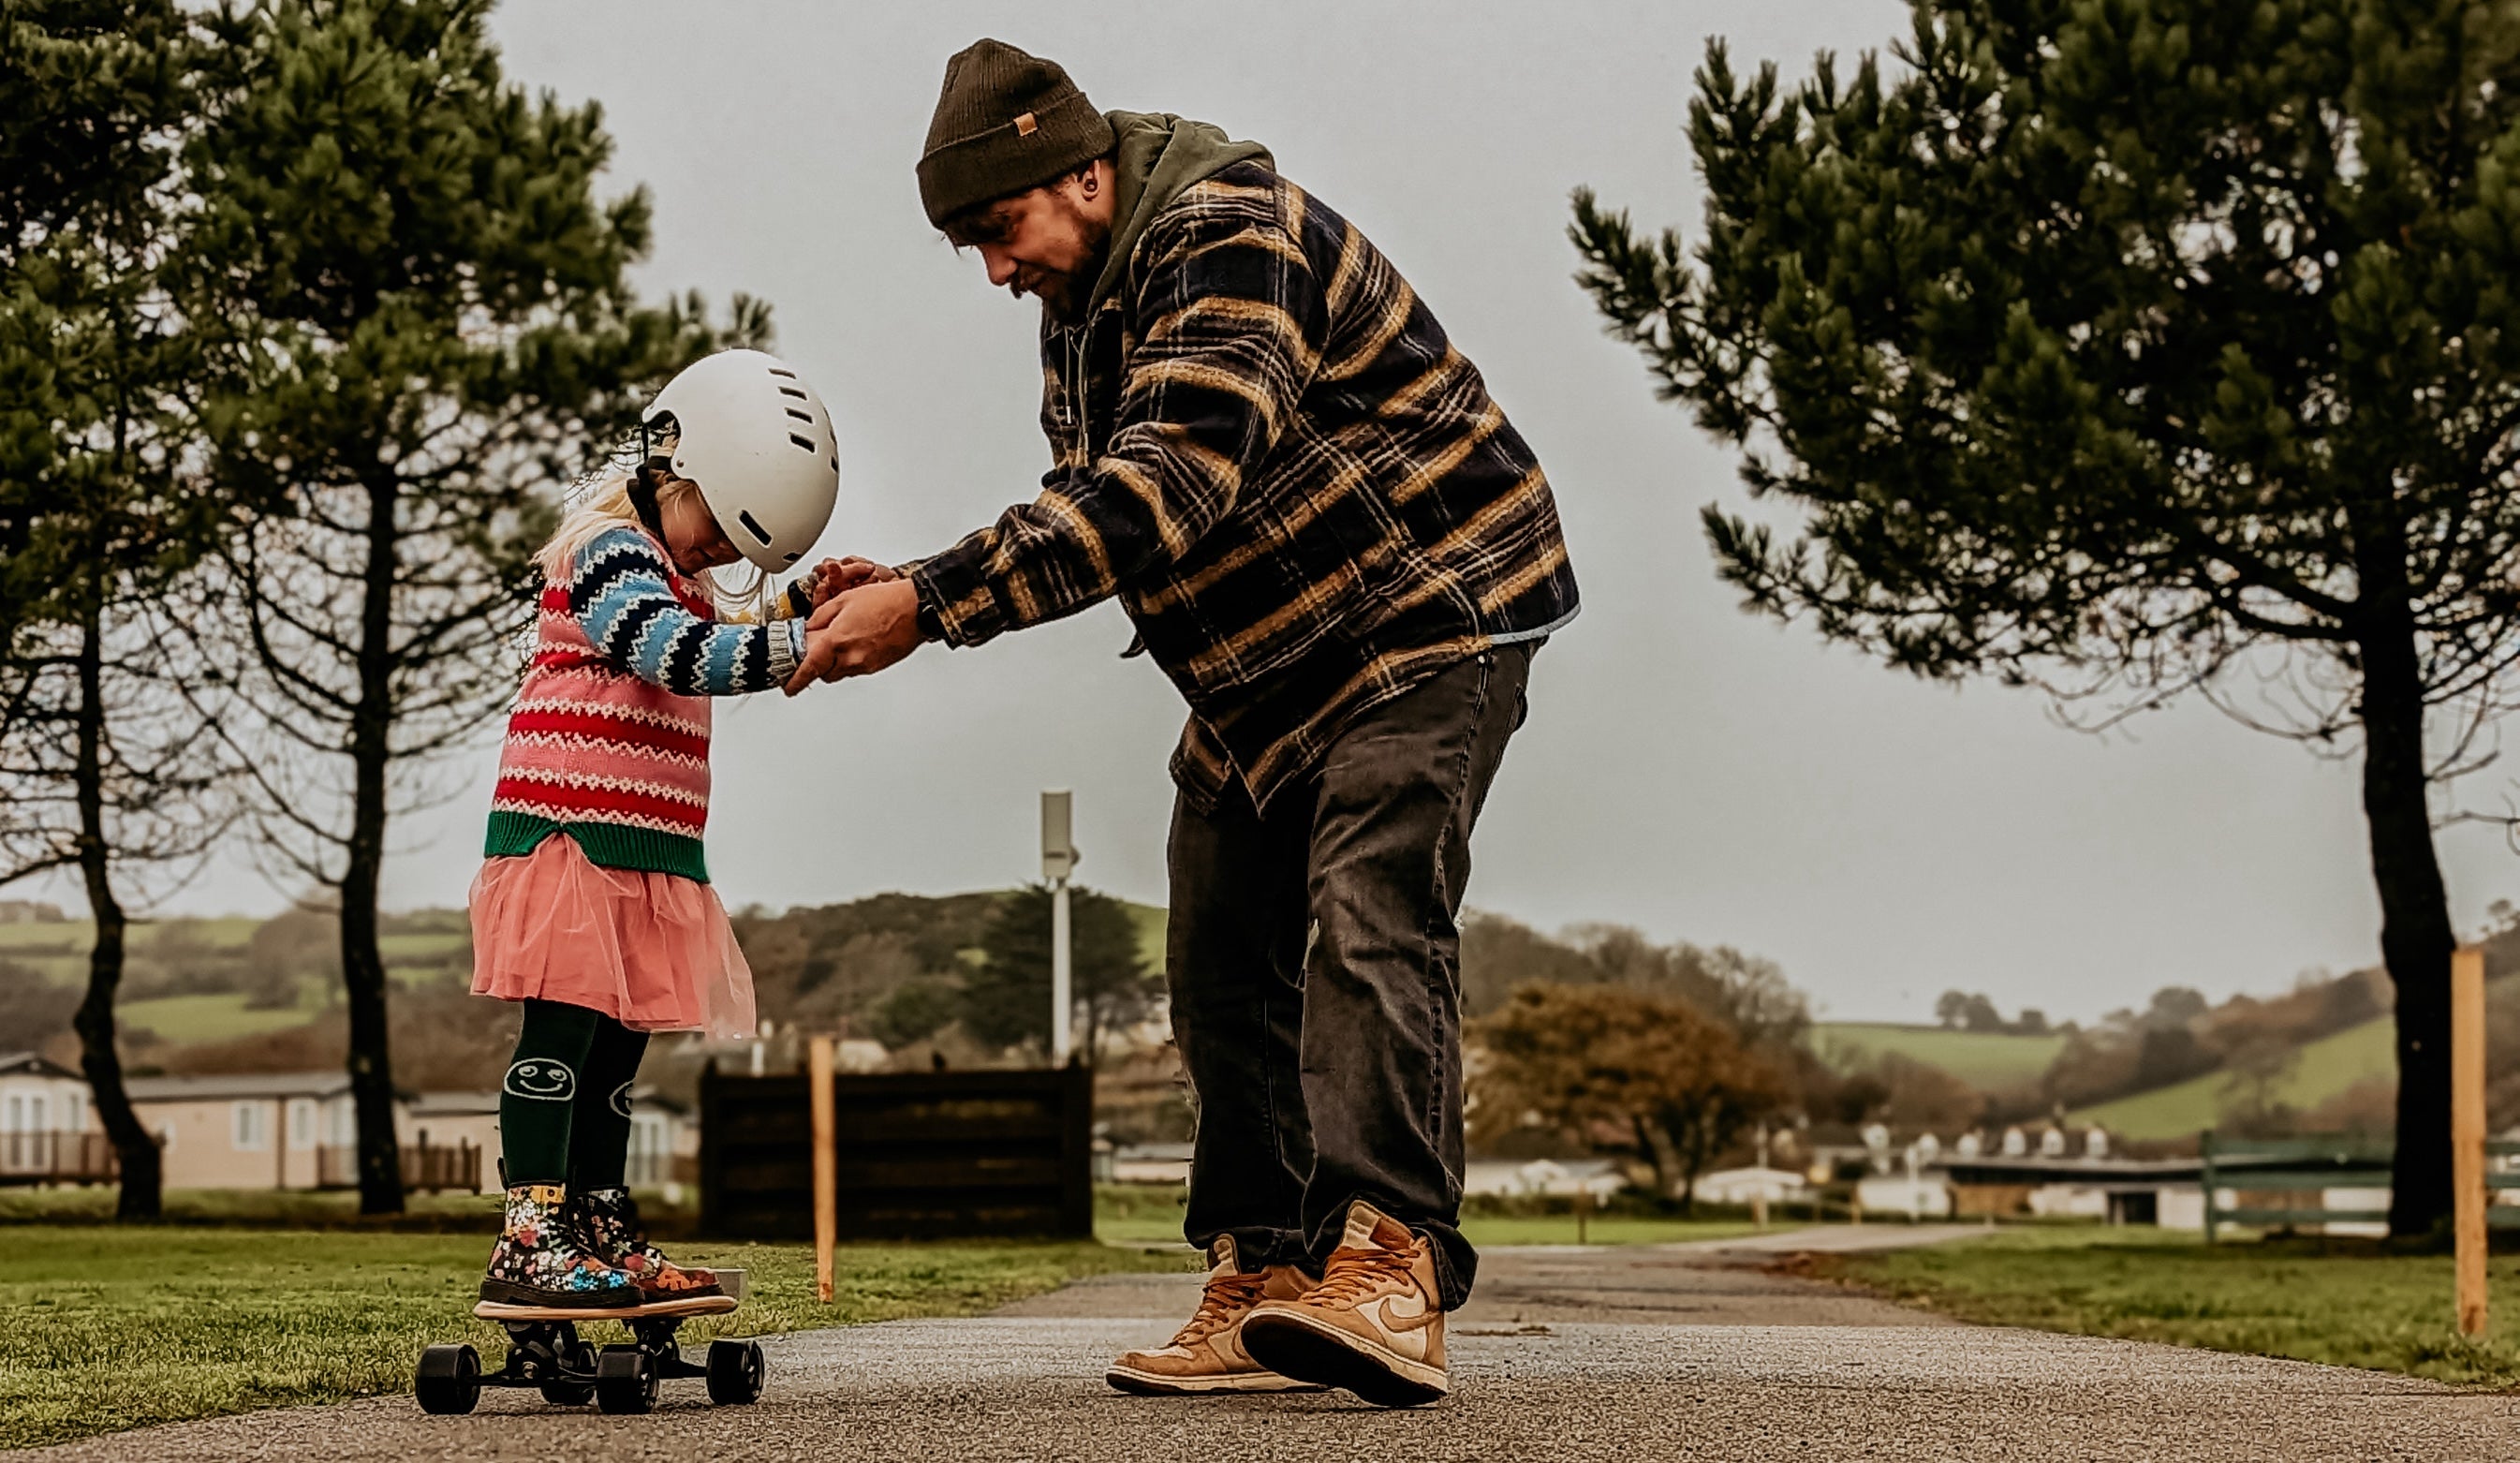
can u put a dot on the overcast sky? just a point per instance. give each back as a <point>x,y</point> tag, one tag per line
<point>1686,769</point>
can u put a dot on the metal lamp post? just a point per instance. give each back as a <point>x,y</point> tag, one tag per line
<point>1058,860</point>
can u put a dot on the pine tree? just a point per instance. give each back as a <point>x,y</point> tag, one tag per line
<point>1006,1000</point>
<point>430,331</point>
<point>101,747</point>
<point>2134,348</point>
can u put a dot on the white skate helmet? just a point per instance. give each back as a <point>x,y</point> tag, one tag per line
<point>759,444</point>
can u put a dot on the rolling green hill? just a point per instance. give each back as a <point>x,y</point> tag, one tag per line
<point>184,1019</point>
<point>2322,1069</point>
<point>1987,1060</point>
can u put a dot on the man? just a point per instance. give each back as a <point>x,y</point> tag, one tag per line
<point>1333,542</point>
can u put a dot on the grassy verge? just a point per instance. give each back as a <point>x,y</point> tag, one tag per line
<point>105,1328</point>
<point>1151,1214</point>
<point>2343,1302</point>
<point>265,1209</point>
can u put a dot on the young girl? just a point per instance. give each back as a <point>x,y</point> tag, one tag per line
<point>594,910</point>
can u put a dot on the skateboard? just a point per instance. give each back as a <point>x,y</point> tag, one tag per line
<point>544,1351</point>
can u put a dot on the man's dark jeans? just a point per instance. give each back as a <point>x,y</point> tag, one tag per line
<point>1316,978</point>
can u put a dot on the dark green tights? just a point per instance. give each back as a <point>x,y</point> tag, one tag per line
<point>565,1107</point>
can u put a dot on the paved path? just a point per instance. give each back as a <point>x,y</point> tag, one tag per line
<point>1682,1352</point>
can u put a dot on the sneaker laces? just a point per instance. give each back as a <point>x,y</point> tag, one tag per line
<point>1221,1303</point>
<point>1350,1275</point>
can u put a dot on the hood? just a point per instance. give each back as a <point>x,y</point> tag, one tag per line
<point>1158,157</point>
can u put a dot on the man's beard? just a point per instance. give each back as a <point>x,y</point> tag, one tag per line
<point>1063,295</point>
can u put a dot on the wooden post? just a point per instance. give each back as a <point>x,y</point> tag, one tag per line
<point>826,1215</point>
<point>2205,1162</point>
<point>2467,1131</point>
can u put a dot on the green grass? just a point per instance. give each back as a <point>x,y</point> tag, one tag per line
<point>73,937</point>
<point>2322,1069</point>
<point>1983,1059</point>
<point>207,1018</point>
<point>1151,1214</point>
<point>2341,1302</point>
<point>429,947</point>
<point>1488,1231</point>
<point>264,1209</point>
<point>102,1329</point>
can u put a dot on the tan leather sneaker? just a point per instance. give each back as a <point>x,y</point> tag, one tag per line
<point>1206,1355</point>
<point>1372,1325</point>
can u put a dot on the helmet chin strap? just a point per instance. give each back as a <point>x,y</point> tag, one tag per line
<point>642,494</point>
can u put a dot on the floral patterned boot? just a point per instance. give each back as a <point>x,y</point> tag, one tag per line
<point>539,1260</point>
<point>606,1223</point>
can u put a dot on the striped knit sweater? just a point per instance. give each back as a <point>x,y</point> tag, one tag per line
<point>608,740</point>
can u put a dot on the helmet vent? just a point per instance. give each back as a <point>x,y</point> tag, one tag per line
<point>805,417</point>
<point>749,521</point>
<point>806,442</point>
<point>782,371</point>
<point>793,392</point>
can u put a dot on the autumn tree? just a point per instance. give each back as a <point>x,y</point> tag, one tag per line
<point>1622,1069</point>
<point>2129,350</point>
<point>429,331</point>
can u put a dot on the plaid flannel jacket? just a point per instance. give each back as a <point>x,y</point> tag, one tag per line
<point>1265,445</point>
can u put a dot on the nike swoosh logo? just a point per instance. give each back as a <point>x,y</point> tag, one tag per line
<point>1424,1316</point>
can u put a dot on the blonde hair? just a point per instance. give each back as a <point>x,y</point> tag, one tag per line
<point>606,508</point>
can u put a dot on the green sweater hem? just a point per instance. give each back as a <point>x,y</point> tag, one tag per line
<point>607,845</point>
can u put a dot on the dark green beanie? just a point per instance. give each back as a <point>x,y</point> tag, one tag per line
<point>1005,121</point>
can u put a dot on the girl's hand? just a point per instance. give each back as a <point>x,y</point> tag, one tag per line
<point>833,577</point>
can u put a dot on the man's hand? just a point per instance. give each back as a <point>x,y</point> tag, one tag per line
<point>833,577</point>
<point>860,633</point>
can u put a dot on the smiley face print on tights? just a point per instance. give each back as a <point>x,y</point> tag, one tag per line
<point>541,1080</point>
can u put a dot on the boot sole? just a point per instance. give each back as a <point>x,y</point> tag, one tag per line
<point>1158,1384</point>
<point>1295,1345</point>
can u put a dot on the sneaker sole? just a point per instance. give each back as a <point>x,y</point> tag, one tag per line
<point>1295,1345</point>
<point>1155,1384</point>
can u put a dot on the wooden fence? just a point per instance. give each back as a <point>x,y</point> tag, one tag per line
<point>50,1158</point>
<point>914,1155</point>
<point>2281,1183</point>
<point>426,1166</point>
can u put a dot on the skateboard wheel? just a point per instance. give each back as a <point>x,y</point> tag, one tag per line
<point>625,1380</point>
<point>734,1371</point>
<point>449,1380</point>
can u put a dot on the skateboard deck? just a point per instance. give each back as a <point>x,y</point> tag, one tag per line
<point>729,1281</point>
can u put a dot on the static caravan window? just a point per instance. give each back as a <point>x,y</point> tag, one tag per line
<point>301,1122</point>
<point>248,1131</point>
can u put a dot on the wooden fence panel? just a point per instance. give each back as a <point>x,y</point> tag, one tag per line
<point>916,1154</point>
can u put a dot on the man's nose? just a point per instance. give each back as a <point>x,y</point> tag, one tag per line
<point>1001,265</point>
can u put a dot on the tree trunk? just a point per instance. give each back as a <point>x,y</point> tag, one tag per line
<point>141,1192</point>
<point>2415,936</point>
<point>363,968</point>
<point>1657,1147</point>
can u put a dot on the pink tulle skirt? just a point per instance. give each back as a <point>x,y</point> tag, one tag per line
<point>653,952</point>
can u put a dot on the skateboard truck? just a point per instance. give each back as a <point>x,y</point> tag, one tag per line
<point>549,1355</point>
